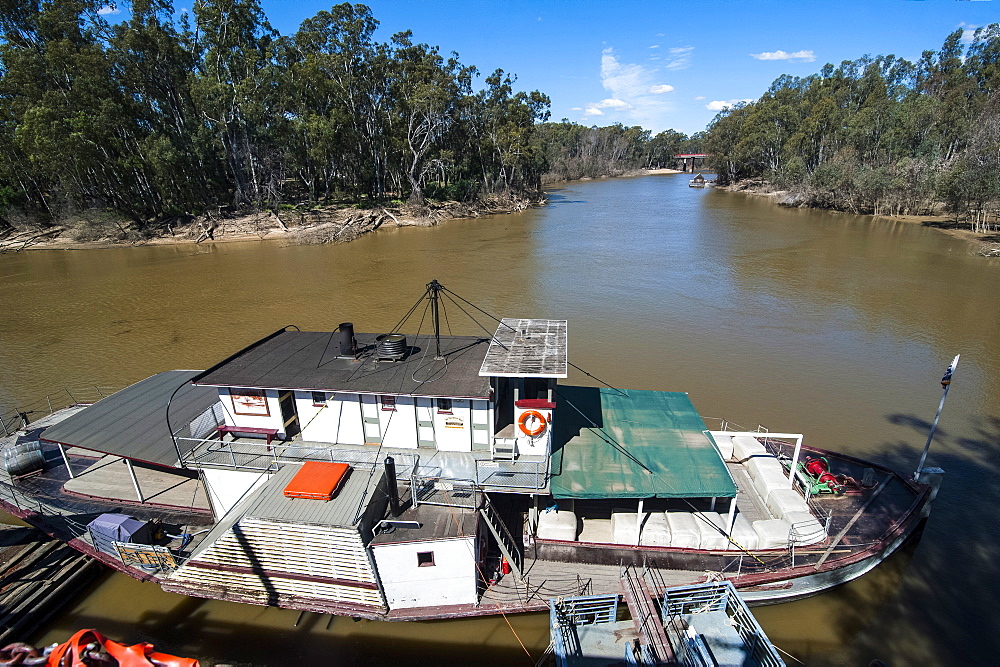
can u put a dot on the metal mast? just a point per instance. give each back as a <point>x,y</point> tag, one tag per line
<point>945,383</point>
<point>433,288</point>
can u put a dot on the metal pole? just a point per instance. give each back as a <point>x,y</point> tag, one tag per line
<point>434,287</point>
<point>795,462</point>
<point>945,383</point>
<point>135,480</point>
<point>62,450</point>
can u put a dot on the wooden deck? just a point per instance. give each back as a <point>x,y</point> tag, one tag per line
<point>109,479</point>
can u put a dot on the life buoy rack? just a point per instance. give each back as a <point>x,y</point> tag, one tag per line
<point>522,423</point>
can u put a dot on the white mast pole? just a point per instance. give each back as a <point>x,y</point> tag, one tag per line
<point>945,382</point>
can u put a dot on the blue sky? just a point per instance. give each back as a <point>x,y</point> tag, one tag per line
<point>665,64</point>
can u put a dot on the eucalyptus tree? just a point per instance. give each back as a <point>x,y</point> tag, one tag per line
<point>235,93</point>
<point>427,91</point>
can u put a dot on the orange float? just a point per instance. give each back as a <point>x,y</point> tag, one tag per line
<point>522,423</point>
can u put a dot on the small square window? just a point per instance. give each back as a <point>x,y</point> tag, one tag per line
<point>319,399</point>
<point>444,406</point>
<point>388,402</point>
<point>425,558</point>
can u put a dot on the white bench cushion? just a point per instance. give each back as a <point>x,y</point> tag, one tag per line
<point>743,535</point>
<point>624,529</point>
<point>744,446</point>
<point>762,464</point>
<point>769,481</point>
<point>656,531</point>
<point>725,443</point>
<point>772,533</point>
<point>557,526</point>
<point>782,501</point>
<point>684,531</point>
<point>712,527</point>
<point>808,530</point>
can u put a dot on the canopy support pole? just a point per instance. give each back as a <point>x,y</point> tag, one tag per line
<point>62,450</point>
<point>638,522</point>
<point>712,508</point>
<point>135,480</point>
<point>731,521</point>
<point>795,462</point>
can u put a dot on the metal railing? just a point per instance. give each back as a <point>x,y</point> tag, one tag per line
<point>512,474</point>
<point>567,613</point>
<point>444,491</point>
<point>11,420</point>
<point>686,602</point>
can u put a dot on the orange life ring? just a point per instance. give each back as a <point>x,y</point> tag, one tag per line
<point>525,416</point>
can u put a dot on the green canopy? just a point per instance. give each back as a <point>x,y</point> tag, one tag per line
<point>625,443</point>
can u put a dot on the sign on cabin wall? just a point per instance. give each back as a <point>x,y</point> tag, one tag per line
<point>249,402</point>
<point>454,422</point>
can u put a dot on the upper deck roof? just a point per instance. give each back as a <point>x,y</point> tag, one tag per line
<point>132,423</point>
<point>307,360</point>
<point>527,348</point>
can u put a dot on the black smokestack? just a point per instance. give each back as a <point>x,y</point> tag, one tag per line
<point>390,474</point>
<point>348,347</point>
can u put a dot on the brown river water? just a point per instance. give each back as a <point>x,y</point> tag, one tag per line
<point>835,326</point>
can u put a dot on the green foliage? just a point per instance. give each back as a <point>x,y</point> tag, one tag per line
<point>169,113</point>
<point>876,135</point>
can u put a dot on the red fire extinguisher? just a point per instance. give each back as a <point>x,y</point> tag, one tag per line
<point>504,566</point>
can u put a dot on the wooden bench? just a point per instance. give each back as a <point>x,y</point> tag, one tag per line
<point>251,431</point>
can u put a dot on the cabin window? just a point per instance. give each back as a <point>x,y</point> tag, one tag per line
<point>388,402</point>
<point>319,399</point>
<point>444,406</point>
<point>425,558</point>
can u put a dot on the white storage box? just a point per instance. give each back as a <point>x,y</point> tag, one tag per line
<point>684,531</point>
<point>807,528</point>
<point>782,501</point>
<point>744,447</point>
<point>656,531</point>
<point>772,533</point>
<point>557,526</point>
<point>743,535</point>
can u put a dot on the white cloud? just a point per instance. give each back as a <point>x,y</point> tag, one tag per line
<point>700,97</point>
<point>635,93</point>
<point>655,46</point>
<point>613,104</point>
<point>108,9</point>
<point>680,57</point>
<point>805,56</point>
<point>968,32</point>
<point>719,105</point>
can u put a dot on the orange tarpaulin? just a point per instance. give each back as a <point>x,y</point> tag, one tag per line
<point>317,480</point>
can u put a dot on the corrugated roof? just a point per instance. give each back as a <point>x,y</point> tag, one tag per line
<point>527,348</point>
<point>132,423</point>
<point>633,444</point>
<point>356,491</point>
<point>308,360</point>
<point>436,523</point>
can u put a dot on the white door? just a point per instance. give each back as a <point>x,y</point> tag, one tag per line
<point>369,415</point>
<point>425,422</point>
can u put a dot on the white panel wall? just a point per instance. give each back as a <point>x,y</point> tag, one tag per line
<point>399,426</point>
<point>273,420</point>
<point>227,487</point>
<point>451,580</point>
<point>338,422</point>
<point>453,432</point>
<point>538,445</point>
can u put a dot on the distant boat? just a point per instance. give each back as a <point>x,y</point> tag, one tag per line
<point>698,182</point>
